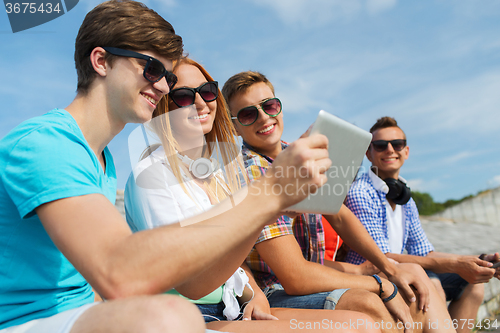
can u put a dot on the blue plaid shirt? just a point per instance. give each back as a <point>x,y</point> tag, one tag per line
<point>368,204</point>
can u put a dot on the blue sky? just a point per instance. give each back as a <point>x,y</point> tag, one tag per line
<point>432,64</point>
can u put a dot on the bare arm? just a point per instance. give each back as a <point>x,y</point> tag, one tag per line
<point>91,233</point>
<point>118,263</point>
<point>301,277</point>
<point>258,306</point>
<point>285,258</point>
<point>470,268</point>
<point>366,268</point>
<point>355,235</point>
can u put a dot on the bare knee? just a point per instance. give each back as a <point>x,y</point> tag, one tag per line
<point>145,314</point>
<point>366,324</point>
<point>365,302</point>
<point>166,313</point>
<point>476,293</point>
<point>439,288</point>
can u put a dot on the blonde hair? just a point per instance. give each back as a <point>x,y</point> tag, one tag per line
<point>220,140</point>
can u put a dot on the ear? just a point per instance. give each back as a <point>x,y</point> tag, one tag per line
<point>236,128</point>
<point>407,152</point>
<point>369,154</point>
<point>97,59</point>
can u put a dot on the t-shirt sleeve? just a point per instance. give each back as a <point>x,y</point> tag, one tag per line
<point>149,199</point>
<point>256,167</point>
<point>282,227</point>
<point>47,164</point>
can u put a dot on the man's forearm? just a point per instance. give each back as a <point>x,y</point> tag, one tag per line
<point>437,262</point>
<point>204,261</point>
<point>119,264</point>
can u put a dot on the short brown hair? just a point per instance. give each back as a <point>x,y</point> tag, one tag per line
<point>124,24</point>
<point>385,122</point>
<point>241,82</point>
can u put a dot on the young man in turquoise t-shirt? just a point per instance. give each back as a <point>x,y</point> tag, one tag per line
<point>59,230</point>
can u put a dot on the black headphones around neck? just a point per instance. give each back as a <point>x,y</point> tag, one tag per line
<point>399,192</point>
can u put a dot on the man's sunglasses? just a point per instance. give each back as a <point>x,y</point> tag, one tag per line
<point>249,115</point>
<point>381,145</point>
<point>208,91</point>
<point>154,70</point>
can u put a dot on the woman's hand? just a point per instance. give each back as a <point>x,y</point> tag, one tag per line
<point>258,308</point>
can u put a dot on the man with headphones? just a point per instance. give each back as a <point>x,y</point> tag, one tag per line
<point>382,201</point>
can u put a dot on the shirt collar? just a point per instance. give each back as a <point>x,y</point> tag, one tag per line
<point>379,184</point>
<point>269,159</point>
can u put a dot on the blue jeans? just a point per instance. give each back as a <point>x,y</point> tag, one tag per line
<point>278,298</point>
<point>452,284</point>
<point>212,312</point>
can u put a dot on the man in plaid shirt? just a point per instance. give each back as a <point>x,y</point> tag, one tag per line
<point>288,258</point>
<point>382,202</point>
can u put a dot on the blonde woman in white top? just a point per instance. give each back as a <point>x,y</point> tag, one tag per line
<point>174,181</point>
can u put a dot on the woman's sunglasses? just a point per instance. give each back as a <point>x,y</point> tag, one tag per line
<point>208,91</point>
<point>154,70</point>
<point>381,145</point>
<point>249,115</point>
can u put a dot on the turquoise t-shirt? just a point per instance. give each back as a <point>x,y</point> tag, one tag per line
<point>43,159</point>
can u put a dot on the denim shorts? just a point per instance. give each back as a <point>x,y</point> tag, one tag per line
<point>453,285</point>
<point>278,298</point>
<point>212,312</point>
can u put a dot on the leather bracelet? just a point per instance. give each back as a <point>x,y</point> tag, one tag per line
<point>394,293</point>
<point>376,277</point>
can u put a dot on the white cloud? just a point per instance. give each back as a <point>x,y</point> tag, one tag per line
<point>424,185</point>
<point>159,5</point>
<point>456,158</point>
<point>319,12</point>
<point>90,4</point>
<point>156,5</point>
<point>324,75</point>
<point>311,11</point>
<point>378,6</point>
<point>470,10</point>
<point>416,184</point>
<point>495,181</point>
<point>466,105</point>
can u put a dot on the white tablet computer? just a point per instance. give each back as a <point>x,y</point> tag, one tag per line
<point>347,145</point>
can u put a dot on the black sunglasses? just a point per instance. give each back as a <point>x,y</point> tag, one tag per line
<point>154,70</point>
<point>185,96</point>
<point>249,115</point>
<point>381,145</point>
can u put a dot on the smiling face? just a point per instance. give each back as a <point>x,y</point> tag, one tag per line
<point>202,120</point>
<point>389,161</point>
<point>265,133</point>
<point>132,98</point>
